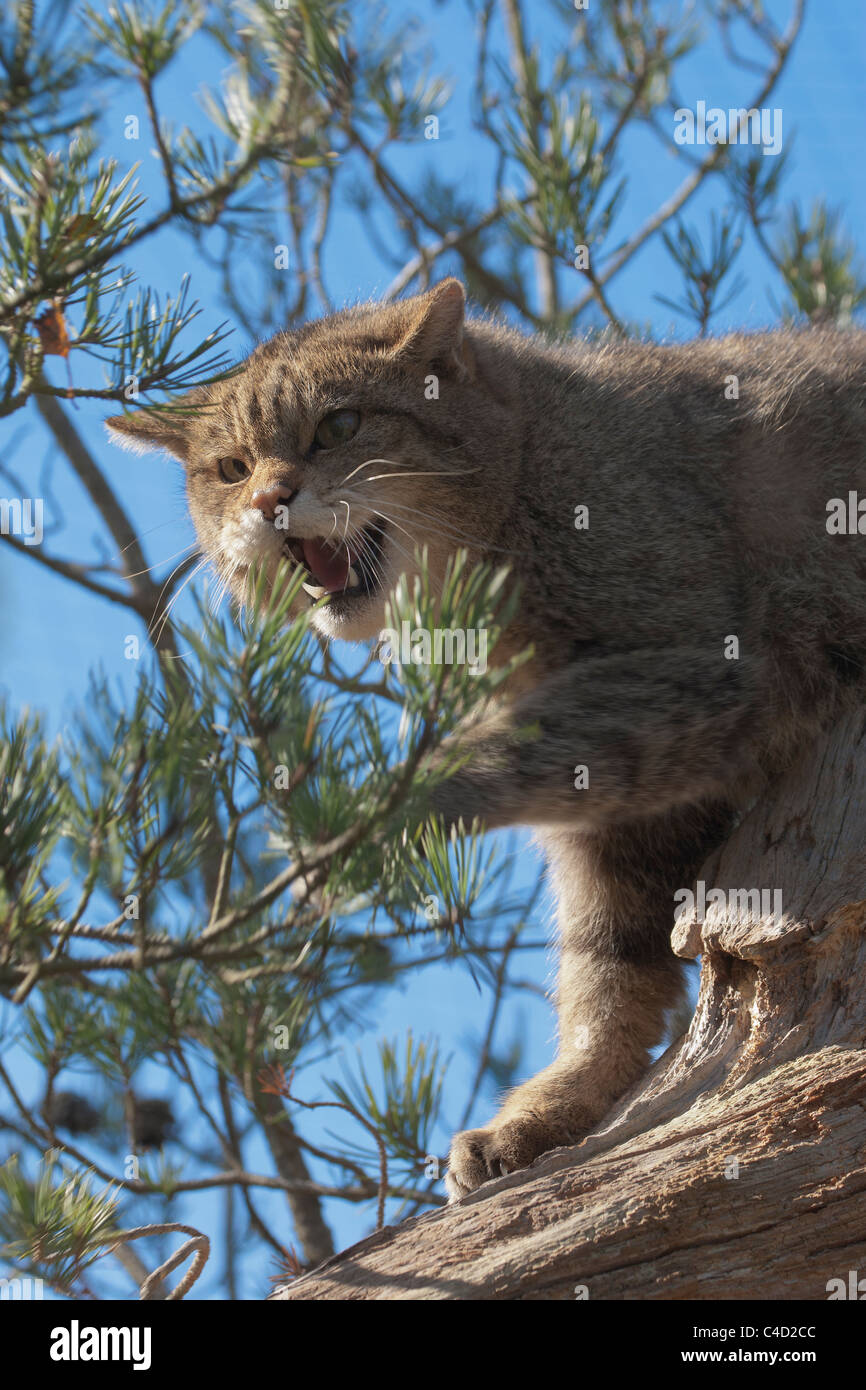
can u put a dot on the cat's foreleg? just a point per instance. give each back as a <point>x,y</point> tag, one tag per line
<point>617,980</point>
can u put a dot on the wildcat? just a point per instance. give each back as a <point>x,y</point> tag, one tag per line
<point>693,628</point>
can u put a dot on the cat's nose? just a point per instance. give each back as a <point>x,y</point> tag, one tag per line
<point>270,498</point>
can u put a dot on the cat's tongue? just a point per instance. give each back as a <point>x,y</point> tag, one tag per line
<point>329,568</point>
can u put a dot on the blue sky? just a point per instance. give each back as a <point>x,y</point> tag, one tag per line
<point>52,634</point>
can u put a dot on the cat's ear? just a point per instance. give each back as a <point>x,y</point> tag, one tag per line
<point>141,431</point>
<point>432,330</point>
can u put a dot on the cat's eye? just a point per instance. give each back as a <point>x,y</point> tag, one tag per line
<point>337,428</point>
<point>233,470</point>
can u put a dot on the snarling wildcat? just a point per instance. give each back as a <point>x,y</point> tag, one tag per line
<point>686,528</point>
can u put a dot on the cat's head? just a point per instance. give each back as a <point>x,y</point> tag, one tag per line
<point>341,446</point>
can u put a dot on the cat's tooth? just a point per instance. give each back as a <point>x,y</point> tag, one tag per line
<point>352,580</point>
<point>314,590</point>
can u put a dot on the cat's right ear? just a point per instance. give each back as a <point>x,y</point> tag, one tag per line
<point>168,428</point>
<point>142,431</point>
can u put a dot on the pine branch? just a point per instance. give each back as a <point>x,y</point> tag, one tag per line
<point>708,166</point>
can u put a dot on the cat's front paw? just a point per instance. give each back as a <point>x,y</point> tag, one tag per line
<point>477,1155</point>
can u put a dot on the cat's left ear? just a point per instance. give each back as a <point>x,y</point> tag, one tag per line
<point>433,335</point>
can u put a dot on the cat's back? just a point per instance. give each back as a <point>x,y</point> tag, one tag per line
<point>764,428</point>
<point>707,469</point>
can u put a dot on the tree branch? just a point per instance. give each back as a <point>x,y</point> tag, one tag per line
<point>690,185</point>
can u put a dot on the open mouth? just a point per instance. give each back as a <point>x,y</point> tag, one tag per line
<point>345,569</point>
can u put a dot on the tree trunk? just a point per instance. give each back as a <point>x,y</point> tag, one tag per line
<point>737,1167</point>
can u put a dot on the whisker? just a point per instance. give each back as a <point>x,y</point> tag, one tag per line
<point>168,558</point>
<point>440,529</point>
<point>174,598</point>
<point>333,528</point>
<point>367,463</point>
<point>449,532</point>
<point>403,551</point>
<point>225,585</point>
<point>166,583</point>
<point>398,463</point>
<point>348,518</point>
<point>172,521</point>
<point>392,522</point>
<point>422,473</point>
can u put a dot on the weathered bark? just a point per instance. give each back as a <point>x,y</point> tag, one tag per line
<point>769,1083</point>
